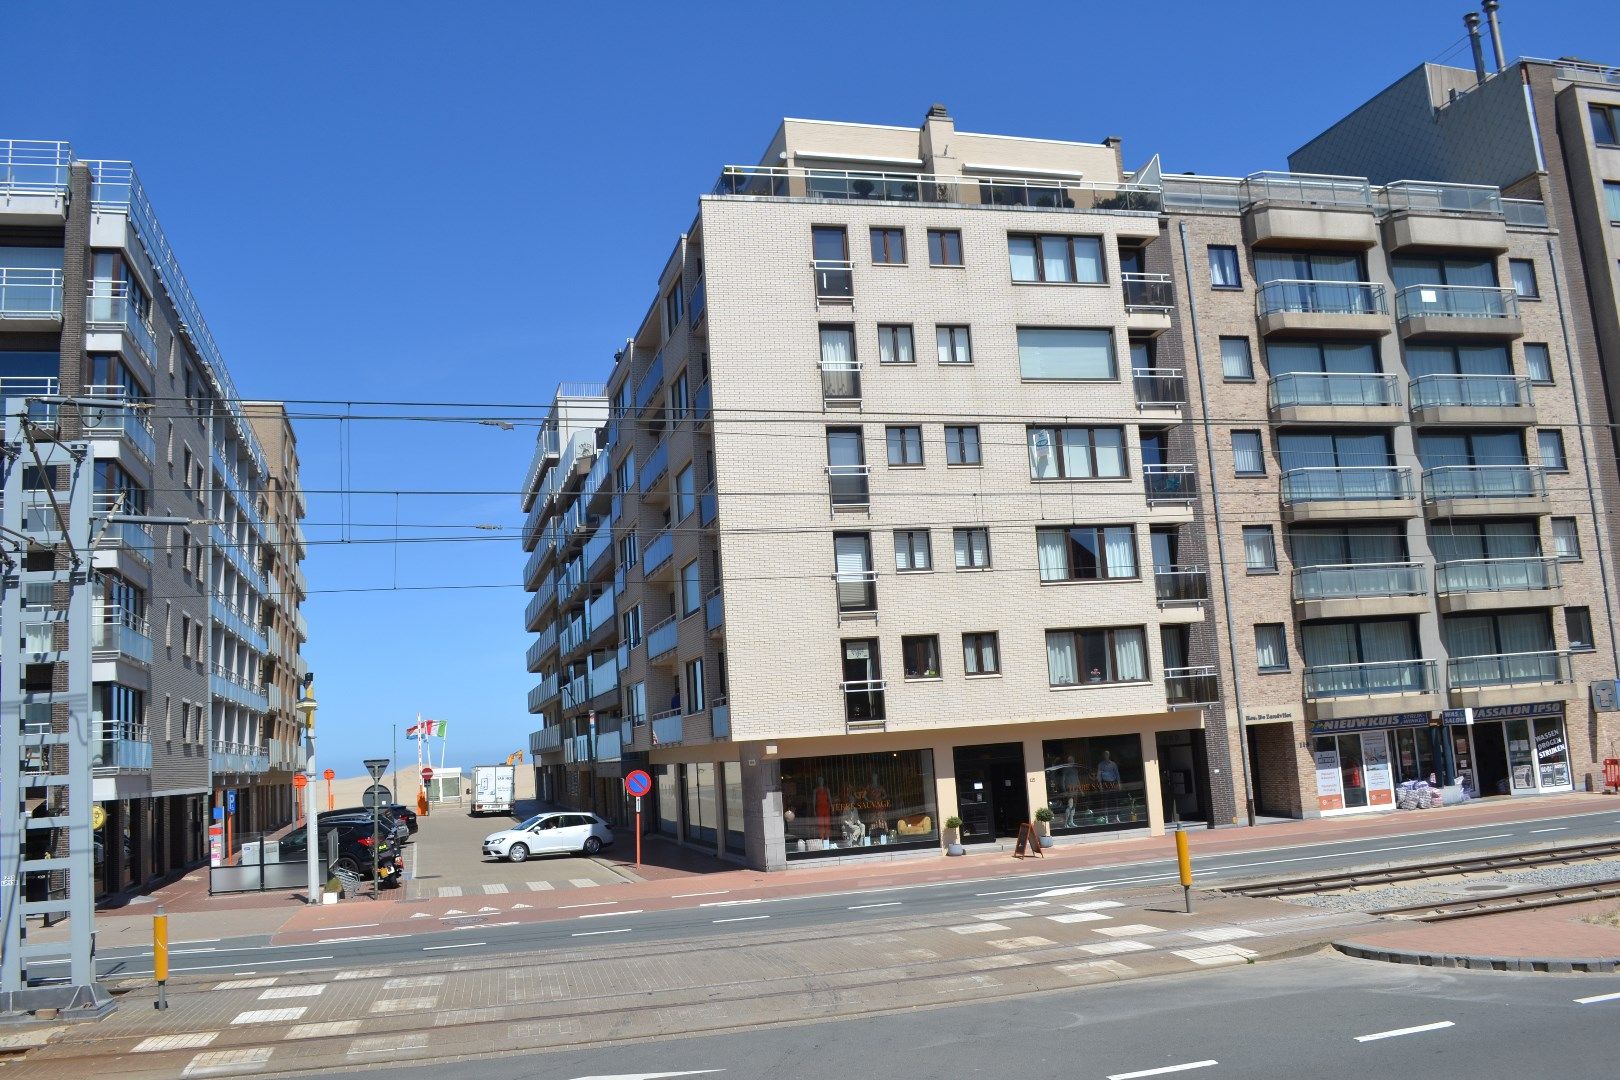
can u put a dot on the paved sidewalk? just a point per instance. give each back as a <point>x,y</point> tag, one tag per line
<point>1546,939</point>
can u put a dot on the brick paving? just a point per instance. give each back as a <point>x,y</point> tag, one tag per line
<point>1556,934</point>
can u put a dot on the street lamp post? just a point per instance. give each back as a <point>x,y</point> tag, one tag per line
<point>306,706</point>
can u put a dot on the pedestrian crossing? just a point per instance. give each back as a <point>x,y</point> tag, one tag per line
<point>452,892</point>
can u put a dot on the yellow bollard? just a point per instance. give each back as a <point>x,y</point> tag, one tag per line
<point>160,957</point>
<point>1184,862</point>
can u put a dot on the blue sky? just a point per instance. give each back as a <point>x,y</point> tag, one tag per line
<point>469,203</point>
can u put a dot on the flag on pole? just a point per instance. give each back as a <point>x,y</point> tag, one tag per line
<point>427,729</point>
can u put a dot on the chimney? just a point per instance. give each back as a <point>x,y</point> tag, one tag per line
<point>938,132</point>
<point>1490,7</point>
<point>1471,21</point>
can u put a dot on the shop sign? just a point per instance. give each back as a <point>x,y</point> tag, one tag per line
<point>1550,743</point>
<point>1329,784</point>
<point>1516,712</point>
<point>1271,714</point>
<point>1345,725</point>
<point>1456,717</point>
<point>1375,759</point>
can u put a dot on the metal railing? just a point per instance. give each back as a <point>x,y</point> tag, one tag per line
<point>111,305</point>
<point>655,468</point>
<point>661,638</point>
<point>27,293</point>
<point>848,485</point>
<point>1585,71</point>
<point>1346,389</point>
<point>120,746</point>
<point>1204,193</point>
<point>1002,191</point>
<point>1428,197</point>
<point>1147,292</point>
<point>15,388</point>
<point>1180,584</point>
<point>1351,581</point>
<point>543,694</point>
<point>1509,669</point>
<point>603,678</point>
<point>1353,483</point>
<point>1484,482</point>
<point>1527,213</point>
<point>714,610</point>
<point>1306,297</point>
<point>1159,388</point>
<point>1169,483</point>
<point>1469,391</point>
<point>1191,685</point>
<point>1496,575</point>
<point>668,727</point>
<point>241,758</point>
<point>841,382</point>
<point>34,166</point>
<point>1358,680</point>
<point>651,382</point>
<point>863,700</point>
<point>835,280</point>
<point>659,550</point>
<point>1457,301</point>
<point>855,590</point>
<point>117,631</point>
<point>1307,189</point>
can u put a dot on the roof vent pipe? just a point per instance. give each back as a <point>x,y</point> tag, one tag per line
<point>1489,7</point>
<point>1471,21</point>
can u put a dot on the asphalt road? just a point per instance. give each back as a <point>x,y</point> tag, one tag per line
<point>593,920</point>
<point>1317,1017</point>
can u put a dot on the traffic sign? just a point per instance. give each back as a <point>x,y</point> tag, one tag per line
<point>376,795</point>
<point>637,782</point>
<point>300,781</point>
<point>230,801</point>
<point>329,774</point>
<point>219,813</point>
<point>427,773</point>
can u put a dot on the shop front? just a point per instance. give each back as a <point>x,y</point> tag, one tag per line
<point>843,803</point>
<point>1355,769</point>
<point>1518,749</point>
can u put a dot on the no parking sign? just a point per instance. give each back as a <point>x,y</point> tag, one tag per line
<point>637,783</point>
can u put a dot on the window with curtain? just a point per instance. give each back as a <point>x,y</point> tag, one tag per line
<point>1333,449</point>
<point>912,550</point>
<point>1237,360</point>
<point>1308,266</point>
<point>1087,552</point>
<point>1538,363</point>
<point>1259,549</point>
<point>981,654</point>
<point>1409,271</point>
<point>955,344</point>
<point>1347,545</point>
<point>1551,445</point>
<point>1248,456</point>
<point>1479,447</point>
<point>1368,642</point>
<point>1578,627</point>
<point>1271,647</point>
<point>840,378</point>
<point>1113,655</point>
<point>905,445</point>
<point>1461,540</point>
<point>944,247</point>
<point>1497,634</point>
<point>1223,267</point>
<point>694,696</point>
<point>1049,352</point>
<point>920,655</point>
<point>1328,357</point>
<point>962,444</point>
<point>1056,259</point>
<point>895,345</point>
<point>972,549</point>
<point>1611,201</point>
<point>1566,539</point>
<point>1076,453</point>
<point>1524,279</point>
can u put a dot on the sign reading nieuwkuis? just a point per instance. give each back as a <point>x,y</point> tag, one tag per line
<point>1344,725</point>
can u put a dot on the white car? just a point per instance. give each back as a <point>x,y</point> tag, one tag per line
<point>544,834</point>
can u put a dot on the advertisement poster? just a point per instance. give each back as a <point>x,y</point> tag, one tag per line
<point>1329,789</point>
<point>1375,755</point>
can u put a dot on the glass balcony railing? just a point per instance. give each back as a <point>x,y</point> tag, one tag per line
<point>1308,189</point>
<point>1496,575</point>
<point>600,611</point>
<point>1484,482</point>
<point>651,383</point>
<point>703,402</point>
<point>111,305</point>
<point>707,506</point>
<point>856,591</point>
<point>838,185</point>
<point>668,728</point>
<point>1159,388</point>
<point>863,700</point>
<point>720,718</point>
<point>608,745</point>
<point>848,486</point>
<point>841,382</point>
<point>834,279</point>
<point>1435,198</point>
<point>1509,669</point>
<point>1169,483</point>
<point>118,632</point>
<point>1457,301</point>
<point>603,678</point>
<point>1358,680</point>
<point>1527,213</point>
<point>1191,685</point>
<point>1181,584</point>
<point>240,758</point>
<point>1292,296</point>
<point>1330,389</point>
<point>1353,581</point>
<point>655,468</point>
<point>544,694</point>
<point>662,637</point>
<point>1147,292</point>
<point>1468,391</point>
<point>714,611</point>
<point>120,747</point>
<point>698,306</point>
<point>660,549</point>
<point>15,388</point>
<point>34,166</point>
<point>27,293</point>
<point>1356,483</point>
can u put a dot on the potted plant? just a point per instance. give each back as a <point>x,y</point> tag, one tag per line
<point>1043,826</point>
<point>953,835</point>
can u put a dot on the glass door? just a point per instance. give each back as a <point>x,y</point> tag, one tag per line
<point>1521,755</point>
<point>1352,776</point>
<point>1552,752</point>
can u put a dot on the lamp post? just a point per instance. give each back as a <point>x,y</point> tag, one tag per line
<point>306,706</point>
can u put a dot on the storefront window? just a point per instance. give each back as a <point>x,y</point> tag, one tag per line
<point>1521,756</point>
<point>731,782</point>
<point>1551,752</point>
<point>1095,784</point>
<point>1419,755</point>
<point>859,801</point>
<point>101,852</point>
<point>669,794</point>
<point>702,808</point>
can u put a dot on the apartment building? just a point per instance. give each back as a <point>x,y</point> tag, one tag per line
<point>103,345</point>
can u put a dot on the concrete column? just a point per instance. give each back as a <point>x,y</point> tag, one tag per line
<point>944,786</point>
<point>764,833</point>
<point>1035,771</point>
<point>1150,773</point>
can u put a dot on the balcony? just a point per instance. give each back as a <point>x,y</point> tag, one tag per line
<point>707,506</point>
<point>548,740</point>
<point>239,624</point>
<point>835,280</point>
<point>1471,399</point>
<point>603,679</point>
<point>720,718</point>
<point>544,694</point>
<point>698,306</point>
<point>239,759</point>
<point>714,611</point>
<point>1510,679</point>
<point>537,605</point>
<point>1458,311</point>
<point>1296,307</point>
<point>1190,687</point>
<point>609,745</point>
<point>1299,397</point>
<point>1170,484</point>
<point>235,687</point>
<point>1148,301</point>
<point>535,654</point>
<point>1159,388</point>
<point>120,748</point>
<point>1343,690</point>
<point>655,469</point>
<point>531,566</point>
<point>110,306</point>
<point>575,691</point>
<point>863,704</point>
<point>30,299</point>
<point>1425,216</point>
<point>668,728</point>
<point>703,402</point>
<point>855,591</point>
<point>1488,584</point>
<point>1308,210</point>
<point>1525,213</point>
<point>1174,585</point>
<point>841,384</point>
<point>848,487</point>
<point>661,638</point>
<point>1360,590</point>
<point>600,612</point>
<point>657,554</point>
<point>651,383</point>
<point>838,185</point>
<point>128,537</point>
<point>1362,491</point>
<point>15,388</point>
<point>1484,490</point>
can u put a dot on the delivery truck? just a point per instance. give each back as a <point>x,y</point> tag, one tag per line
<point>492,789</point>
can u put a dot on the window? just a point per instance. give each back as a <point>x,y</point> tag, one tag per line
<point>1086,552</point>
<point>1566,539</point>
<point>1065,353</point>
<point>694,686</point>
<point>840,371</point>
<point>888,247</point>
<point>185,636</point>
<point>672,309</point>
<point>680,398</point>
<point>981,654</point>
<point>1538,363</point>
<point>962,444</point>
<point>1223,267</point>
<point>1248,455</point>
<point>972,549</point>
<point>920,653</point>
<point>895,345</point>
<point>1552,451</point>
<point>905,445</point>
<point>1271,647</point>
<point>691,588</point>
<point>1056,259</point>
<point>1259,549</point>
<point>629,550</point>
<point>1611,199</point>
<point>829,246</point>
<point>955,345</point>
<point>1075,453</point>
<point>944,247</point>
<point>1578,624</point>
<point>685,493</point>
<point>853,578</point>
<point>1524,279</point>
<point>1237,361</point>
<point>912,550</point>
<point>1076,657</point>
<point>1605,124</point>
<point>630,626</point>
<point>846,468</point>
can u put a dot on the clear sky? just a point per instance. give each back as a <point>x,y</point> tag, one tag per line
<point>470,202</point>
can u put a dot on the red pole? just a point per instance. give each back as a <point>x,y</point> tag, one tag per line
<point>638,831</point>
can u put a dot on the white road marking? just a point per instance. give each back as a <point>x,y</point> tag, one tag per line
<point>196,941</point>
<point>323,1030</point>
<point>449,890</point>
<point>1128,930</point>
<point>863,907</point>
<point>743,918</point>
<point>403,1004</point>
<point>190,952</point>
<point>175,1042</point>
<point>462,945</point>
<point>608,914</point>
<point>488,910</point>
<point>422,915</point>
<point>979,928</point>
<point>1166,1069</point>
<point>1078,916</point>
<point>522,907</point>
<point>279,992</point>
<point>540,886</point>
<point>225,1062</point>
<point>687,895</point>
<point>594,933</point>
<point>408,982</point>
<point>1221,933</point>
<point>582,883</point>
<point>598,903</point>
<point>732,903</point>
<point>350,926</point>
<point>1106,948</point>
<point>216,967</point>
<point>494,890</point>
<point>1030,942</point>
<point>1561,828</point>
<point>650,1076</point>
<point>1094,905</point>
<point>461,915</point>
<point>356,937</point>
<point>1375,1036</point>
<point>364,973</point>
<point>1215,955</point>
<point>245,984</point>
<point>1091,967</point>
<point>270,1016</point>
<point>452,911</point>
<point>1597,998</point>
<point>998,916</point>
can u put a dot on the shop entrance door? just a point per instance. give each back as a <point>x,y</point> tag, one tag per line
<point>992,791</point>
<point>1184,775</point>
<point>1490,758</point>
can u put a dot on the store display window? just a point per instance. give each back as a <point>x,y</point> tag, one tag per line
<point>1095,784</point>
<point>859,801</point>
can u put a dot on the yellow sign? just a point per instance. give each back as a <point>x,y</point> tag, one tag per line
<point>98,817</point>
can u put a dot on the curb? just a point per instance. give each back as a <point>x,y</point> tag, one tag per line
<point>1541,964</point>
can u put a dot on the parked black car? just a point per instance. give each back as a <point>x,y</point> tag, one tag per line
<point>354,847</point>
<point>404,813</point>
<point>387,823</point>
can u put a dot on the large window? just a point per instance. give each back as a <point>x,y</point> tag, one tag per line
<point>972,549</point>
<point>1056,259</point>
<point>920,655</point>
<point>981,654</point>
<point>1237,361</point>
<point>1095,784</point>
<point>954,344</point>
<point>702,803</point>
<point>1049,352</point>
<point>685,492</point>
<point>944,247</point>
<point>911,550</point>
<point>667,789</point>
<point>859,801</point>
<point>695,690</point>
<point>1087,552</point>
<point>1524,279</point>
<point>1271,647</point>
<point>672,309</point>
<point>1259,549</point>
<point>1578,625</point>
<point>1248,456</point>
<point>1566,539</point>
<point>888,246</point>
<point>1076,453</point>
<point>905,445</point>
<point>1605,124</point>
<point>1538,363</point>
<point>691,589</point>
<point>962,444</point>
<point>1223,267</point>
<point>853,577</point>
<point>1082,657</point>
<point>1551,445</point>
<point>895,345</point>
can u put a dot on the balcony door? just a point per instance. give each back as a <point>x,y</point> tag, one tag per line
<point>1438,271</point>
<point>1342,647</point>
<point>1165,544</point>
<point>1348,449</point>
<point>1484,447</point>
<point>863,697</point>
<point>846,466</point>
<point>852,558</point>
<point>1348,545</point>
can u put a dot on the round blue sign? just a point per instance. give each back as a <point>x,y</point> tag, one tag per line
<point>637,782</point>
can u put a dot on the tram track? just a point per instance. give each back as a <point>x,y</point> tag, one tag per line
<point>1317,884</point>
<point>1519,900</point>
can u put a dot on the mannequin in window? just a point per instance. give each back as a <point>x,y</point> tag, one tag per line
<point>1108,772</point>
